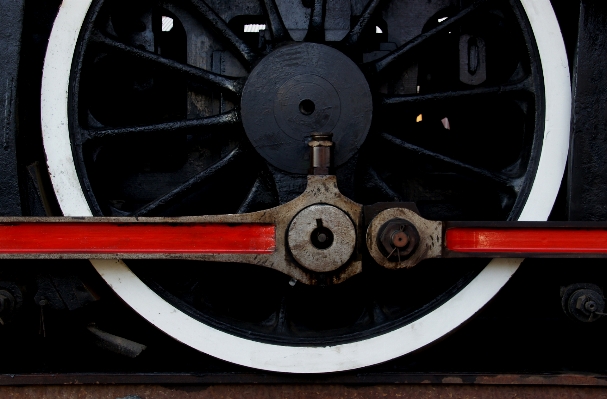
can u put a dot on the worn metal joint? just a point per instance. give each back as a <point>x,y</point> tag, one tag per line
<point>321,154</point>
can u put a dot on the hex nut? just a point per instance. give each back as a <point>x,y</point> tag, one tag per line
<point>391,239</point>
<point>583,302</point>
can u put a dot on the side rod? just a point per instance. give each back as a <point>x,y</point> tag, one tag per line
<point>525,239</point>
<point>400,238</point>
<point>64,237</point>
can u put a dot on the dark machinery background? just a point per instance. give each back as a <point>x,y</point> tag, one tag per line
<point>54,313</point>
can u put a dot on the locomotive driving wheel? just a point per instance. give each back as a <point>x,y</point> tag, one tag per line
<point>192,107</point>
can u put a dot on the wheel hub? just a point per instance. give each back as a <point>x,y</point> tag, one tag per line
<point>322,238</point>
<point>300,89</point>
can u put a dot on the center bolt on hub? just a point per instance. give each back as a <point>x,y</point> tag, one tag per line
<point>322,237</point>
<point>397,239</point>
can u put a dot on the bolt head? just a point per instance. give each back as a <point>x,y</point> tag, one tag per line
<point>400,239</point>
<point>590,306</point>
<point>581,300</point>
<point>322,237</point>
<point>583,304</point>
<point>397,239</point>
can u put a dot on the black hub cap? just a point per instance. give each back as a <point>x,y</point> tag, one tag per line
<point>301,89</point>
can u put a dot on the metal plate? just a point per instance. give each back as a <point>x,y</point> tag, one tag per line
<point>274,100</point>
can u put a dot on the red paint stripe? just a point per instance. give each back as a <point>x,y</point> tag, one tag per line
<point>144,238</point>
<point>505,240</point>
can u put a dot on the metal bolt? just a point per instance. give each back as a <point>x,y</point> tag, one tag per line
<point>583,302</point>
<point>322,237</point>
<point>397,239</point>
<point>400,239</point>
<point>590,306</point>
<point>321,155</point>
<point>580,302</point>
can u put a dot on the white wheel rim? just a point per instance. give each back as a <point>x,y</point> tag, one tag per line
<point>450,315</point>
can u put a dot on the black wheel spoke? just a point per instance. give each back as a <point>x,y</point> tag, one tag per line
<point>483,173</point>
<point>243,50</point>
<point>316,28</point>
<point>277,26</point>
<point>260,195</point>
<point>209,125</point>
<point>412,45</point>
<point>198,75</point>
<point>281,324</point>
<point>189,186</point>
<point>373,181</point>
<point>353,36</point>
<point>522,87</point>
<point>248,202</point>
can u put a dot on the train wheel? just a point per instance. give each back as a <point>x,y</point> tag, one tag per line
<point>161,108</point>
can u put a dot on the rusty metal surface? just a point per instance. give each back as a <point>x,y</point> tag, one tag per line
<point>430,233</point>
<point>298,391</point>
<point>321,380</point>
<point>317,257</point>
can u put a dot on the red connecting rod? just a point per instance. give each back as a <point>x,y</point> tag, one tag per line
<point>44,238</point>
<point>20,238</point>
<point>526,239</point>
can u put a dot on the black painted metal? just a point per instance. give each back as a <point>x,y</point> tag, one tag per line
<point>587,191</point>
<point>301,89</point>
<point>177,194</point>
<point>220,26</point>
<point>11,23</point>
<point>500,342</point>
<point>583,302</point>
<point>316,27</point>
<point>414,44</point>
<point>201,126</point>
<point>363,22</point>
<point>275,22</point>
<point>224,83</point>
